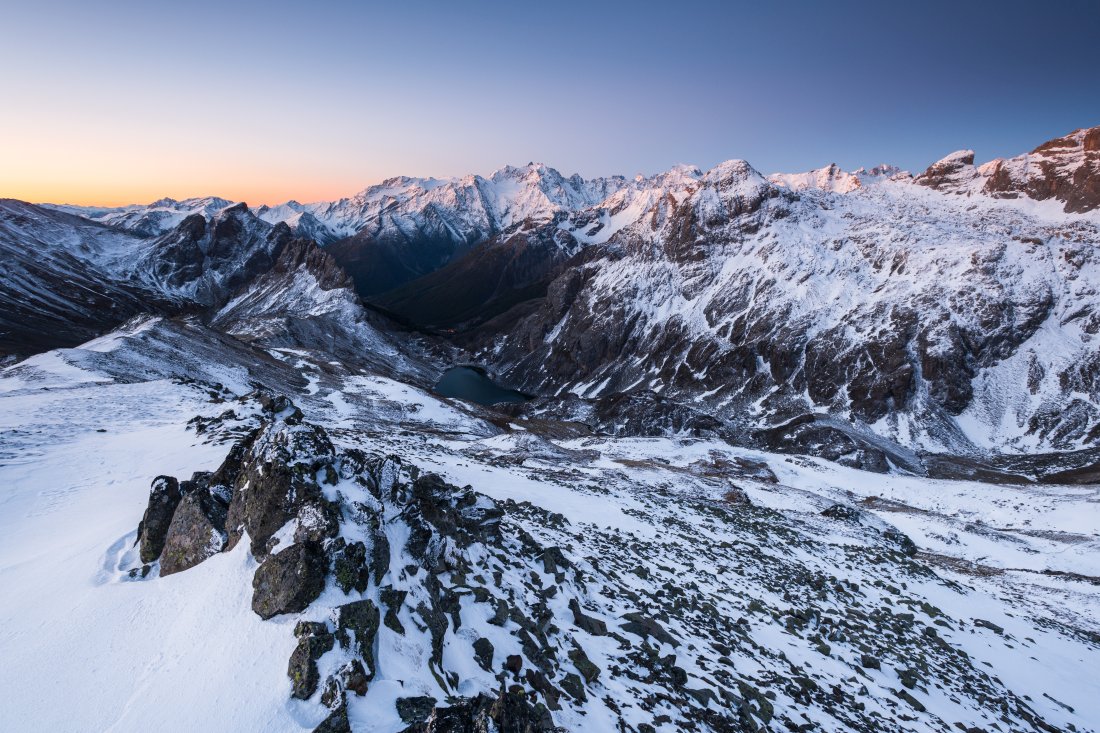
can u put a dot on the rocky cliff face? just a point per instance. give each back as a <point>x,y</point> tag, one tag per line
<point>1066,170</point>
<point>204,260</point>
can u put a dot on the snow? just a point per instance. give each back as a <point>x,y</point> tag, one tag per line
<point>124,655</point>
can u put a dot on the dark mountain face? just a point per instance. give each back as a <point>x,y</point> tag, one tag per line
<point>378,264</point>
<point>489,280</point>
<point>205,260</point>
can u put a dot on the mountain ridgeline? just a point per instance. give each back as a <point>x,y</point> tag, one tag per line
<point>870,317</point>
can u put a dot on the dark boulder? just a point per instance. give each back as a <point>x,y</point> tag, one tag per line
<point>277,479</point>
<point>350,568</point>
<point>584,665</point>
<point>393,601</point>
<point>641,625</point>
<point>901,541</point>
<point>197,530</point>
<point>164,497</point>
<point>592,625</point>
<point>483,653</point>
<point>435,509</point>
<point>336,722</point>
<point>289,581</point>
<point>842,512</point>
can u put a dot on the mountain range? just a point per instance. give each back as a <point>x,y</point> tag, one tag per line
<point>795,451</point>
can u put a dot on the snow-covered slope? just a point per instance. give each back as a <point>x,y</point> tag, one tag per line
<point>62,278</point>
<point>593,583</point>
<point>830,178</point>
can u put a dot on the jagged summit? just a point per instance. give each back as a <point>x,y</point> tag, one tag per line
<point>475,207</point>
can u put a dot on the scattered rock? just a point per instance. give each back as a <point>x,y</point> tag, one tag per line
<point>981,622</point>
<point>901,541</point>
<point>483,653</point>
<point>393,600</point>
<point>584,665</point>
<point>641,625</point>
<point>355,677</point>
<point>842,512</point>
<point>349,567</point>
<point>592,625</point>
<point>914,702</point>
<point>509,712</point>
<point>356,628</point>
<point>336,722</point>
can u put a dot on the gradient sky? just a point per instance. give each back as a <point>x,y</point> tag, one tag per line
<point>122,102</point>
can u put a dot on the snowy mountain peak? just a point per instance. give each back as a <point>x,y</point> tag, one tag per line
<point>731,171</point>
<point>882,171</point>
<point>952,173</point>
<point>830,178</point>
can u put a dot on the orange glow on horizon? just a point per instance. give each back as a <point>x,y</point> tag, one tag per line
<point>113,193</point>
<point>111,172</point>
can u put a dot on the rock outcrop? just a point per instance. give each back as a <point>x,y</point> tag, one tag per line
<point>164,497</point>
<point>1066,169</point>
<point>198,527</point>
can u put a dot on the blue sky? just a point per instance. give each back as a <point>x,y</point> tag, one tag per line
<point>118,101</point>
